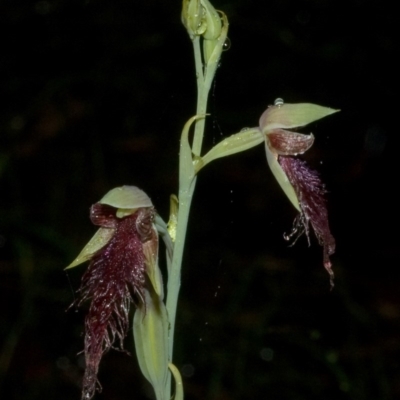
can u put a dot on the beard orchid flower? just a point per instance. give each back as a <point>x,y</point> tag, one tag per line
<point>123,258</point>
<point>302,185</point>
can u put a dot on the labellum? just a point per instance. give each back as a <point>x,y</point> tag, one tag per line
<point>310,193</point>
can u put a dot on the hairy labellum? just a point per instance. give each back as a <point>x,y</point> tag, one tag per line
<point>310,192</point>
<point>116,275</point>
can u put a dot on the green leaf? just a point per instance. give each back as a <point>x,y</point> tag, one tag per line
<point>178,382</point>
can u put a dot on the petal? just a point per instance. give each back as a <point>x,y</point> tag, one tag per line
<point>144,224</point>
<point>289,143</point>
<point>292,115</point>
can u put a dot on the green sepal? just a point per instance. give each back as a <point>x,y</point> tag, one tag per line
<point>236,143</point>
<point>192,17</point>
<point>99,240</point>
<point>281,177</point>
<point>212,48</point>
<point>126,197</point>
<point>292,115</point>
<point>213,21</point>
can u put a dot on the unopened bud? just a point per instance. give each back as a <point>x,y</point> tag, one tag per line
<point>192,17</point>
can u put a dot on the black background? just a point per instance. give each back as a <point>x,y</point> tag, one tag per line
<point>94,96</point>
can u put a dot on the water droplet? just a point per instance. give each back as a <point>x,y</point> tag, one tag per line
<point>244,129</point>
<point>278,102</point>
<point>227,44</point>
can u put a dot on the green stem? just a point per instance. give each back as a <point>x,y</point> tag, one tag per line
<point>187,184</point>
<point>174,278</point>
<point>187,176</point>
<point>202,98</point>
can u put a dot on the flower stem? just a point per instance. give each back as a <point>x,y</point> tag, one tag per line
<point>187,184</point>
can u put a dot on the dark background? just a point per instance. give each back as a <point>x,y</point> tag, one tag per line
<point>95,94</point>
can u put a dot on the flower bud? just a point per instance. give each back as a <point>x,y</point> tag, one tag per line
<point>192,17</point>
<point>212,21</point>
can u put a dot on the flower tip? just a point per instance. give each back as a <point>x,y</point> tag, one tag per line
<point>328,267</point>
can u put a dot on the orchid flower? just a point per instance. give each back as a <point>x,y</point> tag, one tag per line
<point>122,252</point>
<point>301,185</point>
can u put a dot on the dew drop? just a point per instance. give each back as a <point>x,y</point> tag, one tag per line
<point>278,102</point>
<point>244,129</point>
<point>227,44</point>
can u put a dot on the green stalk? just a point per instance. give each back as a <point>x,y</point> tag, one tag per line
<point>187,184</point>
<point>206,66</point>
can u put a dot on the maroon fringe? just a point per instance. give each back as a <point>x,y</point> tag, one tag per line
<point>310,192</point>
<point>115,275</point>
